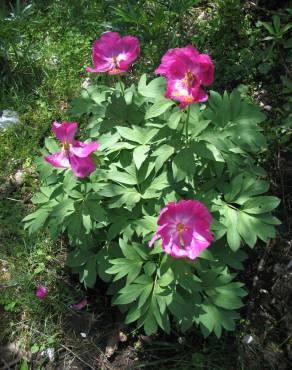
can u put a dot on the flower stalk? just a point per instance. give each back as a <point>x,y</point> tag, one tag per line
<point>187,122</point>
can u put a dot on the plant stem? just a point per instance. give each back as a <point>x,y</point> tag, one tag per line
<point>187,122</point>
<point>121,86</point>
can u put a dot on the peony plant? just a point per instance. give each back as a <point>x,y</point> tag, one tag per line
<point>163,211</point>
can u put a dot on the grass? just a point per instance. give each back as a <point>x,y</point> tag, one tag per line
<point>43,53</point>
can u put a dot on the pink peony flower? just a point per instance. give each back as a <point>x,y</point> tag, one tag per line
<point>80,305</point>
<point>184,228</point>
<point>186,71</point>
<point>113,54</point>
<point>74,154</point>
<point>41,292</point>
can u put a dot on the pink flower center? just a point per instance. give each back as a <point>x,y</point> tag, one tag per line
<point>181,227</point>
<point>66,146</point>
<point>188,99</point>
<point>116,65</point>
<point>189,79</point>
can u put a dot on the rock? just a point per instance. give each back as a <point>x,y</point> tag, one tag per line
<point>86,83</point>
<point>19,177</point>
<point>8,118</point>
<point>247,339</point>
<point>50,353</point>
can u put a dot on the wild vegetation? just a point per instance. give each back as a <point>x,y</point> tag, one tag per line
<point>143,163</point>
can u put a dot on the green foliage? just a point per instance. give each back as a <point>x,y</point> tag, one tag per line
<point>145,161</point>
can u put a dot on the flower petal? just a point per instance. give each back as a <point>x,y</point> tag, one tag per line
<point>80,305</point>
<point>206,72</point>
<point>106,46</point>
<point>65,131</point>
<point>130,50</point>
<point>184,228</point>
<point>59,159</point>
<point>113,54</point>
<point>41,292</point>
<point>81,167</point>
<point>83,150</point>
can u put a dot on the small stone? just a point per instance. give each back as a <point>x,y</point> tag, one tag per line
<point>50,353</point>
<point>8,118</point>
<point>123,337</point>
<point>19,177</point>
<point>53,60</point>
<point>247,339</point>
<point>181,340</point>
<point>86,83</point>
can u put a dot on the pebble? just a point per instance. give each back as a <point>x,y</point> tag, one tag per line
<point>86,83</point>
<point>247,339</point>
<point>50,353</point>
<point>8,118</point>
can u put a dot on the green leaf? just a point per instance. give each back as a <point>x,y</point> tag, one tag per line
<point>34,348</point>
<point>227,300</point>
<point>140,154</point>
<point>133,314</point>
<point>129,294</point>
<point>183,310</point>
<point>208,151</point>
<point>122,177</point>
<point>243,187</point>
<point>70,181</point>
<point>24,365</point>
<point>162,153</point>
<point>149,268</point>
<point>174,118</point>
<point>154,89</point>
<point>51,145</point>
<point>232,259</point>
<point>245,227</point>
<point>88,275</point>
<point>36,220</point>
<point>268,26</point>
<point>94,209</point>
<point>230,221</point>
<point>150,325</point>
<point>137,134</point>
<point>146,225</point>
<point>215,318</point>
<point>128,250</point>
<point>78,257</point>
<point>183,165</point>
<point>145,294</point>
<point>159,107</point>
<point>158,184</point>
<point>166,279</point>
<point>261,204</point>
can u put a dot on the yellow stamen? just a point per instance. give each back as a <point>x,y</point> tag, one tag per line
<point>188,99</point>
<point>176,93</point>
<point>66,146</point>
<point>116,63</point>
<point>189,79</point>
<point>180,227</point>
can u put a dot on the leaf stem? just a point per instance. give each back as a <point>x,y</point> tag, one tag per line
<point>187,122</point>
<point>121,85</point>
